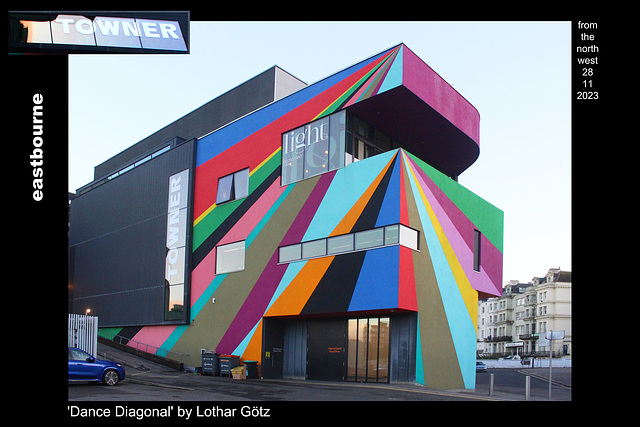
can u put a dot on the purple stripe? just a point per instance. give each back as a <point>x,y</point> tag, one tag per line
<point>258,299</point>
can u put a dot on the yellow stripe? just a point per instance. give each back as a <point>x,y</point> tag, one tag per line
<point>469,295</point>
<point>265,160</point>
<point>204,214</point>
<point>336,100</point>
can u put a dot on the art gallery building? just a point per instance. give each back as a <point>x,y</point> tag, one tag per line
<point>317,229</point>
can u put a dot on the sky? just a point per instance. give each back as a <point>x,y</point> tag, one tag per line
<point>516,74</point>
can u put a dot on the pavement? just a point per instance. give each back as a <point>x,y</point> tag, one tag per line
<point>146,372</point>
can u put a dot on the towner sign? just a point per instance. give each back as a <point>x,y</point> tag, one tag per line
<point>107,32</point>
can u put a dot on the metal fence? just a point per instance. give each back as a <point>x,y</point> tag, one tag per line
<point>148,348</point>
<point>83,333</point>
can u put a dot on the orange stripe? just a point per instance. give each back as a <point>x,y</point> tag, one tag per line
<point>298,292</point>
<point>254,349</point>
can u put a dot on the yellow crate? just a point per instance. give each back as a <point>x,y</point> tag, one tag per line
<point>239,373</point>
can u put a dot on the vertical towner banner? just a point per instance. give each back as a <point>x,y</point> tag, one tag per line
<point>176,258</point>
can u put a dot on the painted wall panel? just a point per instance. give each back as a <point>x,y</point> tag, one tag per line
<point>376,286</point>
<point>436,284</point>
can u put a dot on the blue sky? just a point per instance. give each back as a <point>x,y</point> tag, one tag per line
<point>517,74</point>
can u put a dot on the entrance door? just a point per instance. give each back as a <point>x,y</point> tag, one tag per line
<point>273,346</point>
<point>326,350</point>
<point>368,349</point>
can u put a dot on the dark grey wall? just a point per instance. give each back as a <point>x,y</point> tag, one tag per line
<point>117,242</point>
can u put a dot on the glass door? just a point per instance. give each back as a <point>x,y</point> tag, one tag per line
<point>368,349</point>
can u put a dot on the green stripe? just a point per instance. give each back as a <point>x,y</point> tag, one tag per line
<point>108,333</point>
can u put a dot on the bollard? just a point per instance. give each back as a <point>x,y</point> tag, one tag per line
<point>527,387</point>
<point>491,385</point>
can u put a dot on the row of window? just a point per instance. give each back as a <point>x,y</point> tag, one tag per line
<point>231,257</point>
<point>122,171</point>
<point>139,162</point>
<point>352,242</point>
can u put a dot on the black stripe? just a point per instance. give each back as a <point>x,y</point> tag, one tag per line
<point>333,293</point>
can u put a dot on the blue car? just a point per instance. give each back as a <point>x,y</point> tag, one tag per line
<point>85,367</point>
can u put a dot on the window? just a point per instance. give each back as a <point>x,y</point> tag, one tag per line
<point>290,253</point>
<point>368,349</point>
<point>314,148</point>
<point>233,187</point>
<point>305,151</point>
<point>230,258</point>
<point>314,248</point>
<point>476,249</point>
<point>362,150</point>
<point>391,236</point>
<point>77,355</point>
<point>338,244</point>
<point>366,141</point>
<point>367,239</point>
<point>174,304</point>
<point>330,143</point>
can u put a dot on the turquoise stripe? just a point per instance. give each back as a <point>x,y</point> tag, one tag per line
<point>461,326</point>
<point>419,363</point>
<point>394,76</point>
<point>245,342</point>
<point>292,271</point>
<point>348,185</point>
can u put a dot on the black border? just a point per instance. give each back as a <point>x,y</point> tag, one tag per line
<point>41,229</point>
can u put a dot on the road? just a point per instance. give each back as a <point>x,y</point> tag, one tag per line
<point>147,381</point>
<point>191,387</point>
<point>512,382</point>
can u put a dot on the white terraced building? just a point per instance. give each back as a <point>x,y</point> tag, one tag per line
<point>516,322</point>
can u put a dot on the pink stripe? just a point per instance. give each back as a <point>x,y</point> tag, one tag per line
<point>202,276</point>
<point>153,336</point>
<point>252,217</point>
<point>205,272</point>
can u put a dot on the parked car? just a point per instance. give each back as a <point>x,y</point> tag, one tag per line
<point>85,367</point>
<point>481,367</point>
